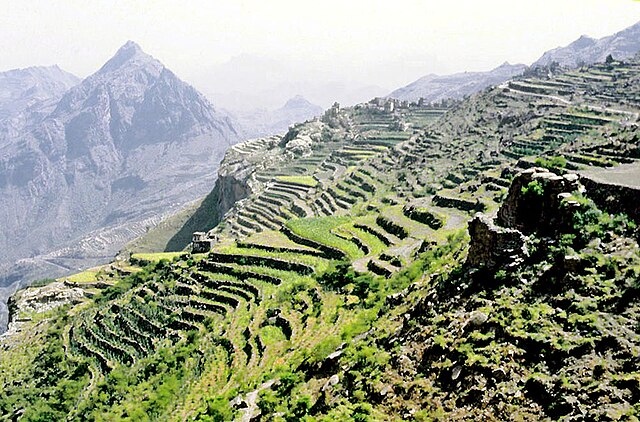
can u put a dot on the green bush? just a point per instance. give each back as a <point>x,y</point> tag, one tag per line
<point>552,162</point>
<point>218,410</point>
<point>533,190</point>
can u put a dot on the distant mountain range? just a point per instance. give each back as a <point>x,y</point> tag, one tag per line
<point>262,122</point>
<point>585,50</point>
<point>21,89</point>
<point>435,88</point>
<point>87,166</point>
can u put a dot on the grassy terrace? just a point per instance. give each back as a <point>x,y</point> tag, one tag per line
<point>300,180</point>
<point>319,229</point>
<point>184,336</point>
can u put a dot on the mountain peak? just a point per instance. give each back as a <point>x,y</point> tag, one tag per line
<point>131,45</point>
<point>130,52</point>
<point>296,101</point>
<point>583,42</point>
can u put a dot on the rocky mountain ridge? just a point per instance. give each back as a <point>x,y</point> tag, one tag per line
<point>128,144</point>
<point>586,50</point>
<point>21,89</point>
<point>435,88</point>
<point>622,45</point>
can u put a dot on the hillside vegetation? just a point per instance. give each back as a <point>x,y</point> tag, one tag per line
<point>351,277</point>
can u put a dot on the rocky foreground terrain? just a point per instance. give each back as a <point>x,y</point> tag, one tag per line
<point>388,261</point>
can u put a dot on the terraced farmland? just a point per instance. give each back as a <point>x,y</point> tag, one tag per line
<point>324,235</point>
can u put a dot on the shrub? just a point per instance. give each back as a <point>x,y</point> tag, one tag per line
<point>218,410</point>
<point>552,162</point>
<point>533,190</point>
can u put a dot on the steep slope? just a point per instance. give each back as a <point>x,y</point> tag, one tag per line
<point>436,88</point>
<point>28,95</point>
<point>23,88</point>
<point>585,50</point>
<point>341,283</point>
<point>120,150</point>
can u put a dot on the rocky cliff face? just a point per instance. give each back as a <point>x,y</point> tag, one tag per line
<point>234,183</point>
<point>534,198</point>
<point>128,144</point>
<point>21,89</point>
<point>493,247</point>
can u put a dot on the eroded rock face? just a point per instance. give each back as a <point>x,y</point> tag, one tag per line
<point>533,202</point>
<point>493,247</point>
<point>533,205</point>
<point>300,146</point>
<point>36,300</point>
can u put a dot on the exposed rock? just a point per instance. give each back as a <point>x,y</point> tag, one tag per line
<point>614,197</point>
<point>494,247</point>
<point>126,146</point>
<point>36,300</point>
<point>534,197</point>
<point>476,319</point>
<point>585,50</point>
<point>300,146</point>
<point>331,382</point>
<point>440,87</point>
<point>22,89</point>
<point>249,403</point>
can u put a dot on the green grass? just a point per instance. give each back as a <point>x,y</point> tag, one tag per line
<point>158,256</point>
<point>319,230</point>
<point>320,264</point>
<point>274,239</point>
<point>88,276</point>
<point>414,228</point>
<point>301,180</point>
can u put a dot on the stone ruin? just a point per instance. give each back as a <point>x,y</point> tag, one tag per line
<point>502,242</point>
<point>201,242</point>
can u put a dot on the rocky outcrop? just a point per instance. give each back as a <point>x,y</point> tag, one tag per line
<point>233,184</point>
<point>534,204</point>
<point>24,304</point>
<point>494,247</point>
<point>300,139</point>
<point>533,201</point>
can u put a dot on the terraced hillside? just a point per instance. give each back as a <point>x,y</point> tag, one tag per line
<point>337,282</point>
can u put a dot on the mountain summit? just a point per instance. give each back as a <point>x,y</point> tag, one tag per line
<point>128,144</point>
<point>130,54</point>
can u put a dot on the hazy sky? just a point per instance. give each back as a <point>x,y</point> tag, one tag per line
<point>386,43</point>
